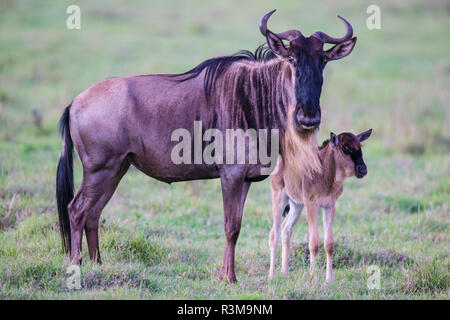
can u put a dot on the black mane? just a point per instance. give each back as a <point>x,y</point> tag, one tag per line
<point>215,67</point>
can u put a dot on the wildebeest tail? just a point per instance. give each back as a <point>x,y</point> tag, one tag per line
<point>64,180</point>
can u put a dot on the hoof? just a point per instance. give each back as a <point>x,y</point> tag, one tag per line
<point>228,278</point>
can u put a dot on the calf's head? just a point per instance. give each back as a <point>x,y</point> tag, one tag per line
<point>348,152</point>
<point>308,58</point>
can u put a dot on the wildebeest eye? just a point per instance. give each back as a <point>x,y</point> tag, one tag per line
<point>291,59</point>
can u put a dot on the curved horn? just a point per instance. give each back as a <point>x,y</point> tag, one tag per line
<point>287,35</point>
<point>327,39</point>
<point>263,22</point>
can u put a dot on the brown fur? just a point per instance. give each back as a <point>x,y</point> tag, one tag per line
<point>320,190</point>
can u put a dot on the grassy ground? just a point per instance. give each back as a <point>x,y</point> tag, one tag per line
<point>161,241</point>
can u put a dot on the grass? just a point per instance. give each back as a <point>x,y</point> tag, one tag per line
<point>163,241</point>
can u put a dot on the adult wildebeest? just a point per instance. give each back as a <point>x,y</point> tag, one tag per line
<point>124,121</point>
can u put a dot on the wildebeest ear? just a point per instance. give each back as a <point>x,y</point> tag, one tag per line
<point>341,50</point>
<point>363,136</point>
<point>334,139</point>
<point>276,45</point>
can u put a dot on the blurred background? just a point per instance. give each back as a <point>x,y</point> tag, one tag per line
<point>396,81</point>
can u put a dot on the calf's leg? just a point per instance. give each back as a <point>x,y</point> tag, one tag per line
<point>328,215</point>
<point>279,202</point>
<point>295,210</point>
<point>313,230</point>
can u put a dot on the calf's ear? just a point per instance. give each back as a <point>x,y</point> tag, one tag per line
<point>334,139</point>
<point>363,136</point>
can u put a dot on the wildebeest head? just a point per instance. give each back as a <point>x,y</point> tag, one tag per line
<point>307,56</point>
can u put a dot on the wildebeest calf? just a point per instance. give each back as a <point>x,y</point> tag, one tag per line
<point>341,157</point>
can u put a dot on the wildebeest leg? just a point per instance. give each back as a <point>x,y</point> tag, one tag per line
<point>279,202</point>
<point>295,209</point>
<point>76,227</point>
<point>111,180</point>
<point>313,230</point>
<point>95,191</point>
<point>328,215</point>
<point>234,193</point>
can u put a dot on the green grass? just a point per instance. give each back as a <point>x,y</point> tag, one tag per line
<point>166,241</point>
